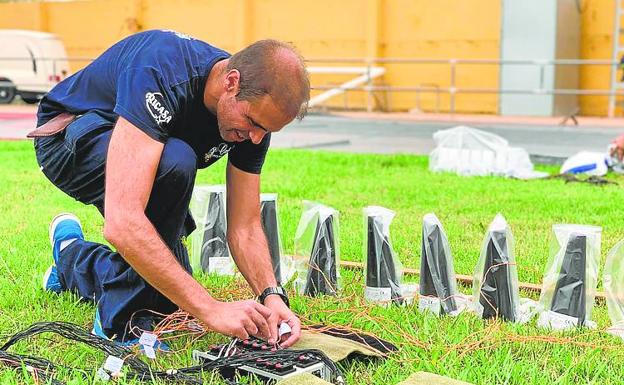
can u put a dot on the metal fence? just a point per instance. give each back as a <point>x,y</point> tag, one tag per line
<point>452,89</point>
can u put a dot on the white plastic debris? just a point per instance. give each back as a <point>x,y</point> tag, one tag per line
<point>468,151</point>
<point>586,162</point>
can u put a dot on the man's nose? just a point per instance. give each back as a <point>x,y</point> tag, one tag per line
<point>256,135</point>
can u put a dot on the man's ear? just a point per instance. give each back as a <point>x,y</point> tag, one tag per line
<point>232,81</point>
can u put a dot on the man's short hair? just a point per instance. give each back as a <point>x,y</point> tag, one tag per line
<point>274,68</point>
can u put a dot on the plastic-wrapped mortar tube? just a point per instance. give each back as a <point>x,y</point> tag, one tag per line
<point>317,255</point>
<point>209,248</point>
<point>495,285</point>
<point>569,285</point>
<point>383,268</point>
<point>613,281</point>
<point>438,288</point>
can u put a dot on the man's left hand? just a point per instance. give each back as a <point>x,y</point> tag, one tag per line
<point>281,313</point>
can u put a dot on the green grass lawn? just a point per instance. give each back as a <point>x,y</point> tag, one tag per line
<point>465,347</point>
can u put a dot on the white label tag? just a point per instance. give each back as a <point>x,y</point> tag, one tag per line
<point>221,265</point>
<point>148,339</point>
<point>284,329</point>
<point>149,352</point>
<point>113,365</point>
<point>102,375</point>
<point>556,321</point>
<point>431,304</point>
<point>378,294</point>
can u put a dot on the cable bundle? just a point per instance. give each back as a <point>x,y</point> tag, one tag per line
<point>44,370</point>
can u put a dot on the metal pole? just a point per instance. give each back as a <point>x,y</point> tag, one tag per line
<point>616,52</point>
<point>369,83</point>
<point>452,89</point>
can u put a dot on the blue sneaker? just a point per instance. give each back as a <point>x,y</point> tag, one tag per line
<point>99,331</point>
<point>51,281</point>
<point>63,227</point>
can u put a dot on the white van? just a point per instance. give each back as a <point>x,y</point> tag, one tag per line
<point>31,63</point>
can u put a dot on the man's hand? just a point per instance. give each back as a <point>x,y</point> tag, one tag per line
<point>281,313</point>
<point>618,149</point>
<point>240,319</point>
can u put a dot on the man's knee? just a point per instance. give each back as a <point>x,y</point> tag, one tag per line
<point>178,164</point>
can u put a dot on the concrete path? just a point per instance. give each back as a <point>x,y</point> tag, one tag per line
<point>357,133</point>
<point>401,133</point>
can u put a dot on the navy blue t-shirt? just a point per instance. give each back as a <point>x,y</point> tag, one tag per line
<point>156,80</point>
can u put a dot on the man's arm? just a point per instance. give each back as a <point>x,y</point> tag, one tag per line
<point>249,246</point>
<point>131,167</point>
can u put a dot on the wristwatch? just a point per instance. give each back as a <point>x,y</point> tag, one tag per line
<point>274,291</point>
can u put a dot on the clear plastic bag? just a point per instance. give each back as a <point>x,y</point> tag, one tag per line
<point>571,276</point>
<point>613,281</point>
<point>209,248</point>
<point>495,286</point>
<point>468,151</point>
<point>438,288</point>
<point>317,256</point>
<point>270,224</point>
<point>383,268</point>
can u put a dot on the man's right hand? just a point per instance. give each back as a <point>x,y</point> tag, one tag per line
<point>239,319</point>
<point>618,148</point>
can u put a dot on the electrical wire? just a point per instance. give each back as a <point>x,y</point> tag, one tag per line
<point>229,357</point>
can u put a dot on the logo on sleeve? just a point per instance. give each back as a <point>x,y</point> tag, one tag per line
<point>217,151</point>
<point>155,104</point>
<point>178,34</point>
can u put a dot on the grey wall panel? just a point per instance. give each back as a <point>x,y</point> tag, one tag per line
<point>568,47</point>
<point>528,33</point>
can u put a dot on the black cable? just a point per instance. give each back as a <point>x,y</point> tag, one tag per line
<point>40,366</point>
<point>138,368</point>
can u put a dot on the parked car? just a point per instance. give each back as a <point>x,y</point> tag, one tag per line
<point>31,63</point>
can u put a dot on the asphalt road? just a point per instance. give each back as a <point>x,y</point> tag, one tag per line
<point>385,136</point>
<point>376,136</point>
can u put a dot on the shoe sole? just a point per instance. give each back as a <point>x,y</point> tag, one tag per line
<point>58,219</point>
<point>46,275</point>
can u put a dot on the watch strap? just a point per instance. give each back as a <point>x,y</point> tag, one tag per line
<point>278,290</point>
